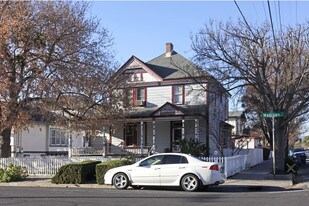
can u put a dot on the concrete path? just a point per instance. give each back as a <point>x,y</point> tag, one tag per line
<point>260,176</point>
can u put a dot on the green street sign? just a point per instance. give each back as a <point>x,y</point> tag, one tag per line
<point>273,114</point>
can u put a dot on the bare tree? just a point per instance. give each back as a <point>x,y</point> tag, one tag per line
<point>276,68</point>
<point>250,101</point>
<point>55,61</point>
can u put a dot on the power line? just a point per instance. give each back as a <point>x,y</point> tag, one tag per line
<point>272,27</point>
<point>296,13</point>
<point>280,16</point>
<point>244,18</point>
<point>265,13</point>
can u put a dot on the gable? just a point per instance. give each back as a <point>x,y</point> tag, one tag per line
<point>167,110</point>
<point>135,66</point>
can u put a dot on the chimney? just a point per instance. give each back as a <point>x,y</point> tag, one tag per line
<point>169,49</point>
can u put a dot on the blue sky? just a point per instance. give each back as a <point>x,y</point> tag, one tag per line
<point>142,28</point>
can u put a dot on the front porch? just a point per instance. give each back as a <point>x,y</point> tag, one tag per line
<point>150,130</point>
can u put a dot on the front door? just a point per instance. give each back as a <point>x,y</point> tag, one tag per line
<point>131,135</point>
<point>176,135</point>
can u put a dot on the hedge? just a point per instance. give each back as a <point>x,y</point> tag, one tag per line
<point>76,173</point>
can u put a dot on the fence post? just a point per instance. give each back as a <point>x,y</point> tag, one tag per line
<point>225,166</point>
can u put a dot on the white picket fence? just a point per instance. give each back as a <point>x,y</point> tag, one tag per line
<point>238,163</point>
<point>50,165</point>
<point>45,165</point>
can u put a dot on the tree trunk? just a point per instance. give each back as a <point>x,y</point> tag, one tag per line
<point>5,147</point>
<point>280,149</point>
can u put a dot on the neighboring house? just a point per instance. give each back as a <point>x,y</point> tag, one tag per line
<point>238,120</point>
<point>42,139</point>
<point>241,134</point>
<point>172,99</point>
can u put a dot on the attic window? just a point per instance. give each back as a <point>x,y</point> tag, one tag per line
<point>137,77</point>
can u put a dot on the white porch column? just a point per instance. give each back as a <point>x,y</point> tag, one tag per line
<point>154,135</point>
<point>182,129</point>
<point>70,144</point>
<point>142,137</point>
<point>12,144</point>
<point>104,142</point>
<point>196,130</point>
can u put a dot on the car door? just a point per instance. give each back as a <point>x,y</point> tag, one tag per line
<point>171,168</point>
<point>148,171</point>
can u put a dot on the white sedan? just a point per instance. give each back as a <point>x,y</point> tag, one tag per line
<point>167,169</point>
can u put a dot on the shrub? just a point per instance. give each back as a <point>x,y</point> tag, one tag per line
<point>75,173</point>
<point>193,147</point>
<point>13,173</point>
<point>102,168</point>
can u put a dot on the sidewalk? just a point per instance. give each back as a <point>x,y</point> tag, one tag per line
<point>260,176</point>
<point>255,178</point>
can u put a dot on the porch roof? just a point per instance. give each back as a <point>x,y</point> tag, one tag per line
<point>168,110</point>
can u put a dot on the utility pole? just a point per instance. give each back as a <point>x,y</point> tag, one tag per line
<point>272,115</point>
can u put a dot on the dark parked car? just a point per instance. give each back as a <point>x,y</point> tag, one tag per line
<point>299,155</point>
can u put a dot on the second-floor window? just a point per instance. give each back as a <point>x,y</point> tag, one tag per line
<point>139,96</point>
<point>178,94</point>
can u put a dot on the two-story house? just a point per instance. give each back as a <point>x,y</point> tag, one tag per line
<point>172,99</point>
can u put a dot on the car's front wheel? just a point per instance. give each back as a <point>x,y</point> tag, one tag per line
<point>121,181</point>
<point>190,183</point>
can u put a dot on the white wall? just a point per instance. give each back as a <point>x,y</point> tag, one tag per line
<point>148,78</point>
<point>195,94</point>
<point>157,96</point>
<point>34,138</point>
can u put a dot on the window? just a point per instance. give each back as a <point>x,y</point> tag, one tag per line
<point>178,94</point>
<point>137,77</point>
<point>175,159</point>
<point>139,95</point>
<point>58,137</point>
<point>131,134</point>
<point>156,160</point>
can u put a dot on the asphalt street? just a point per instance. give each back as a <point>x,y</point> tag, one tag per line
<point>34,196</point>
<point>252,187</point>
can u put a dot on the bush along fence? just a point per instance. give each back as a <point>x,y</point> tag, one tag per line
<point>51,165</point>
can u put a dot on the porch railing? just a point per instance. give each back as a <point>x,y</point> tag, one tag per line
<point>112,151</point>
